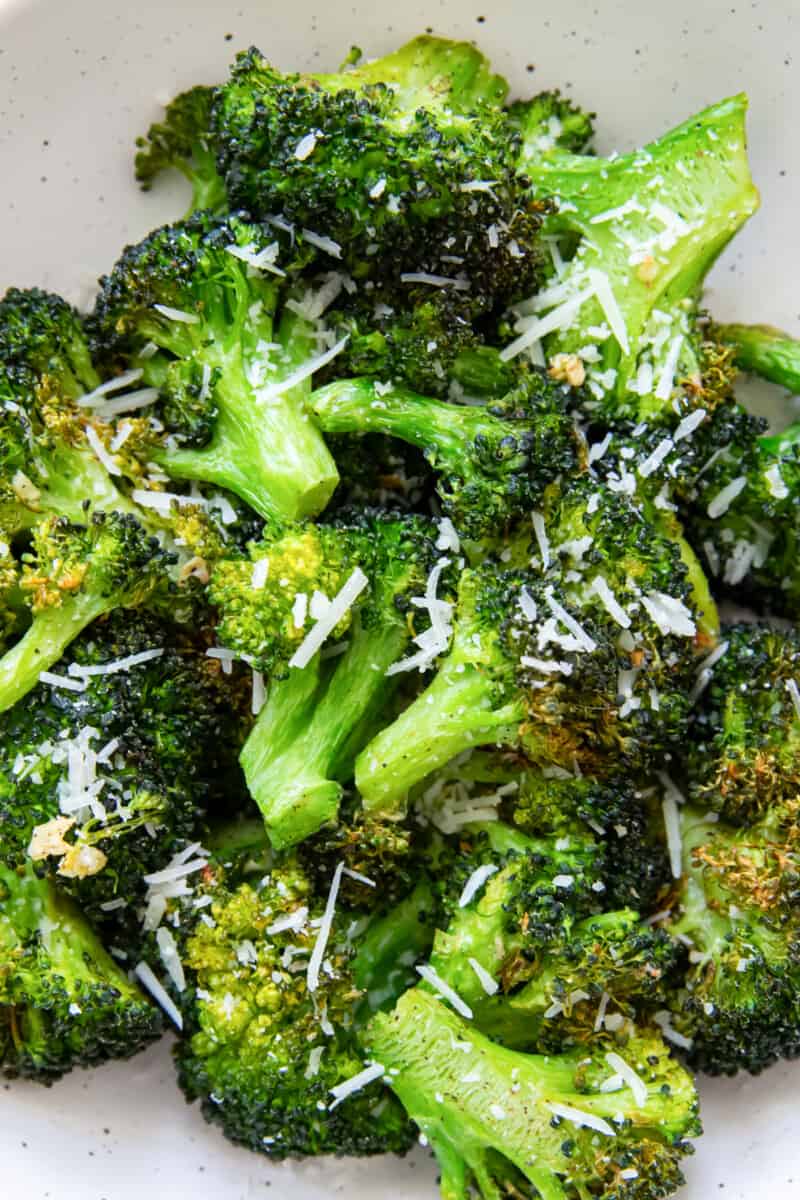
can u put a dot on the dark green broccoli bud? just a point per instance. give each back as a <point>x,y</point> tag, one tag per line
<point>41,331</point>
<point>379,472</point>
<point>103,784</point>
<point>649,226</point>
<point>314,723</point>
<point>72,575</point>
<point>493,463</point>
<point>428,346</point>
<point>549,120</point>
<point>14,615</point>
<point>587,662</point>
<point>736,907</point>
<point>268,1034</point>
<point>232,360</point>
<point>531,946</point>
<point>500,1121</point>
<point>742,514</point>
<point>64,1002</point>
<point>180,141</point>
<point>742,757</point>
<point>765,351</point>
<point>405,168</point>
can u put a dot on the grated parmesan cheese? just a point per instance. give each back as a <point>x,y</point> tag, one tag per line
<point>324,627</point>
<point>356,1083</point>
<point>578,1117</point>
<point>318,953</point>
<point>440,281</point>
<point>609,601</point>
<point>626,1072</point>
<point>168,951</point>
<point>272,391</point>
<point>542,538</point>
<point>475,882</point>
<point>443,990</point>
<point>177,315</point>
<point>150,981</point>
<point>720,504</point>
<point>489,985</point>
<point>669,614</point>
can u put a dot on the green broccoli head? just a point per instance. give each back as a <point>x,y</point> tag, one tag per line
<point>268,600</point>
<point>736,910</point>
<point>41,331</point>
<point>181,142</point>
<point>232,364</point>
<point>266,1030</point>
<point>406,167</point>
<point>302,748</point>
<point>102,784</point>
<point>64,1002</point>
<point>582,656</point>
<point>493,462</point>
<point>551,121</point>
<point>500,1121</point>
<point>741,759</point>
<point>72,575</point>
<point>741,512</point>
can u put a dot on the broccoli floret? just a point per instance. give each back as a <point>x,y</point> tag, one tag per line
<point>742,515</point>
<point>64,1002</point>
<point>231,361</point>
<point>260,616</point>
<point>267,1034</point>
<point>411,153</point>
<point>493,463</point>
<point>742,755</point>
<point>551,120</point>
<point>499,1120</point>
<point>103,784</point>
<point>304,743</point>
<point>650,224</point>
<point>584,658</point>
<point>72,575</point>
<point>531,946</point>
<point>180,141</point>
<point>765,351</point>
<point>736,906</point>
<point>41,331</point>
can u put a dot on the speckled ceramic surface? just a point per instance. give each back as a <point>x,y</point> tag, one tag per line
<point>78,80</point>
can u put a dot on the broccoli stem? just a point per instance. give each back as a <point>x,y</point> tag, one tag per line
<point>470,1123</point>
<point>271,455</point>
<point>765,351</point>
<point>678,202</point>
<point>51,631</point>
<point>453,714</point>
<point>384,965</point>
<point>302,744</point>
<point>441,430</point>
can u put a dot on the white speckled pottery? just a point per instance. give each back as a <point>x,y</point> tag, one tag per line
<point>79,79</point>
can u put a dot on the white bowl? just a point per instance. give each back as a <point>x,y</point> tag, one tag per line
<point>79,79</point>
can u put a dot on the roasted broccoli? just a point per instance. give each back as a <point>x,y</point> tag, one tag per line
<point>735,910</point>
<point>649,226</point>
<point>64,1002</point>
<point>181,142</point>
<point>766,351</point>
<point>108,771</point>
<point>72,575</point>
<point>581,656</point>
<point>233,361</point>
<point>315,721</point>
<point>493,463</point>
<point>403,169</point>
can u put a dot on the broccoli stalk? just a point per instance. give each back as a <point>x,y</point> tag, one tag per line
<point>75,574</point>
<point>314,723</point>
<point>493,462</point>
<point>765,351</point>
<point>495,1117</point>
<point>234,367</point>
<point>650,225</point>
<point>64,1002</point>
